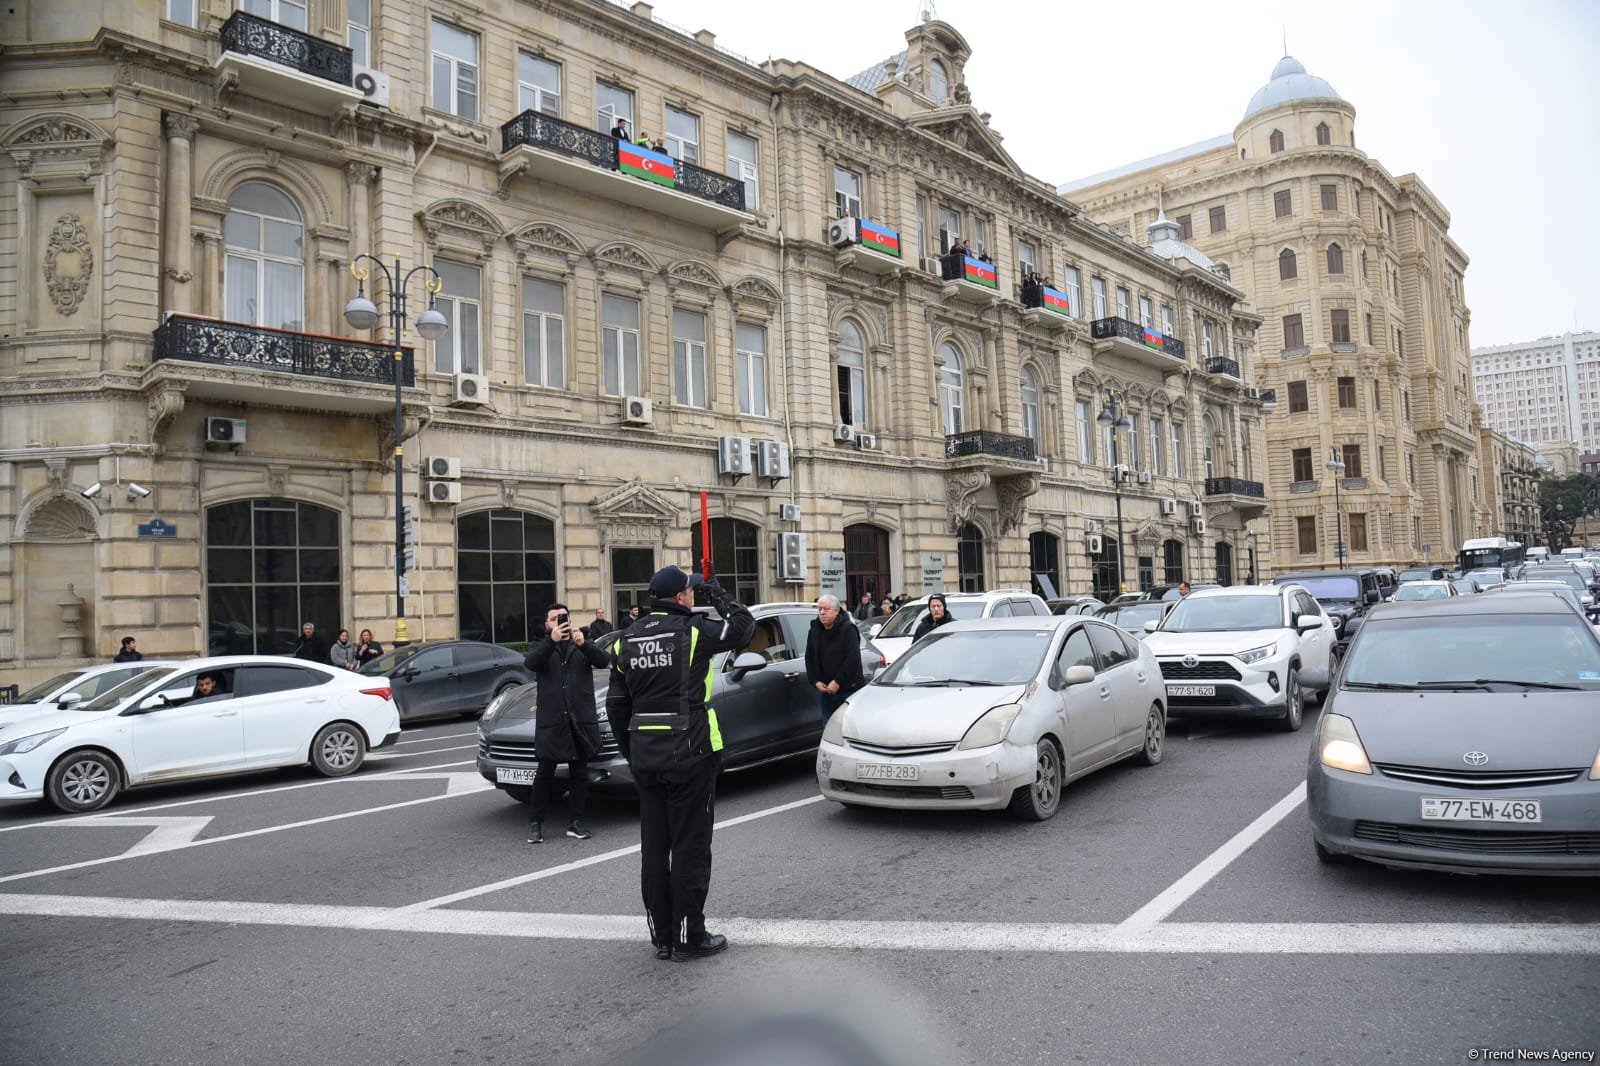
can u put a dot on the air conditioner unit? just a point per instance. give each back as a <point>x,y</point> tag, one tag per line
<point>789,512</point>
<point>444,492</point>
<point>792,557</point>
<point>844,433</point>
<point>1091,526</point>
<point>637,411</point>
<point>447,468</point>
<point>471,390</point>
<point>1091,544</point>
<point>842,231</point>
<point>1199,525</point>
<point>733,455</point>
<point>1144,477</point>
<point>932,265</point>
<point>772,459</point>
<point>373,84</point>
<point>224,431</point>
<point>1197,508</point>
<point>1169,507</point>
<point>1251,392</point>
<point>867,441</point>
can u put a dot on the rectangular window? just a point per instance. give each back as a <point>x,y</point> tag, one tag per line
<point>1098,288</point>
<point>1166,321</point>
<point>1085,455</point>
<point>1339,319</point>
<point>1358,532</point>
<point>1075,290</point>
<point>949,228</point>
<point>455,71</point>
<point>1180,466</point>
<point>1351,454</point>
<point>1303,470</point>
<point>1135,444</point>
<point>619,334</point>
<point>461,303</point>
<point>1383,463</point>
<point>1185,227</point>
<point>538,85</point>
<point>683,135</point>
<point>357,29</point>
<point>1294,334</point>
<point>1377,396</point>
<point>1027,258</point>
<point>181,11</point>
<point>1369,328</point>
<point>612,104</point>
<point>1208,345</point>
<point>1405,398</point>
<point>1305,528</point>
<point>1219,220</point>
<point>1347,393</point>
<point>742,165</point>
<point>846,193</point>
<point>1158,451</point>
<point>544,346</point>
<point>1146,316</point>
<point>291,13</point>
<point>922,226</point>
<point>1282,206</point>
<point>1123,309</point>
<point>1299,397</point>
<point>1330,197</point>
<point>751,369</point>
<point>688,358</point>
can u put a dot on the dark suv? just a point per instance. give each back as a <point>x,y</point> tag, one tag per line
<point>1345,595</point>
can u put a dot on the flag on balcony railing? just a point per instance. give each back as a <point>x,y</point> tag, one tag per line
<point>1154,338</point>
<point>643,163</point>
<point>1057,302</point>
<point>880,238</point>
<point>981,273</point>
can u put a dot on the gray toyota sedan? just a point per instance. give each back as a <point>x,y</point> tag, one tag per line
<point>1464,739</point>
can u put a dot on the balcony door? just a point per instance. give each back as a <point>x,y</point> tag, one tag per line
<point>264,274</point>
<point>291,13</point>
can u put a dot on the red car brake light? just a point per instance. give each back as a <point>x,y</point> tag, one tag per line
<point>385,692</point>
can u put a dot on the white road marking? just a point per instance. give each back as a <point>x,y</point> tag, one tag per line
<point>1212,938</point>
<point>386,756</point>
<point>166,834</point>
<point>442,736</point>
<point>1147,917</point>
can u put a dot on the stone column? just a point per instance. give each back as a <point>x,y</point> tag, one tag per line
<point>211,275</point>
<point>358,179</point>
<point>177,291</point>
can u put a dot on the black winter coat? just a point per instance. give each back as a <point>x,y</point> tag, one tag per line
<point>835,654</point>
<point>565,696</point>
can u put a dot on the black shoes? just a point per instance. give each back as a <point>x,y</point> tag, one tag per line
<point>663,952</point>
<point>578,830</point>
<point>709,944</point>
<point>534,835</point>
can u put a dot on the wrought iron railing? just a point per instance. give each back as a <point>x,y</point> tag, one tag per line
<point>204,340</point>
<point>534,129</point>
<point>252,35</point>
<point>1221,364</point>
<point>1235,486</point>
<point>1104,328</point>
<point>983,442</point>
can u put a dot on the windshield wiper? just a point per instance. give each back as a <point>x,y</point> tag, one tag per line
<point>941,682</point>
<point>1381,686</point>
<point>1525,684</point>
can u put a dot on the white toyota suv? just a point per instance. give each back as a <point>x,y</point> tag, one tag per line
<point>1246,652</point>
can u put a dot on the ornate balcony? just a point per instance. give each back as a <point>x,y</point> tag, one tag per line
<point>969,280</point>
<point>1002,454</point>
<point>588,161</point>
<point>1047,307</point>
<point>1248,498</point>
<point>273,62</point>
<point>254,365</point>
<point>1223,366</point>
<point>875,247</point>
<point>1118,336</point>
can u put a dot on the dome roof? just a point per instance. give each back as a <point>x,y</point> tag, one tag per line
<point>1290,82</point>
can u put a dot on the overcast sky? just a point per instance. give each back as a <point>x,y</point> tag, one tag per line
<point>1495,106</point>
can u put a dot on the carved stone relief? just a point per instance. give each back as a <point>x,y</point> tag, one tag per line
<point>68,264</point>
<point>1013,494</point>
<point>961,489</point>
<point>60,519</point>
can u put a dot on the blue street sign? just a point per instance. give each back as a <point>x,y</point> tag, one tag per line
<point>157,528</point>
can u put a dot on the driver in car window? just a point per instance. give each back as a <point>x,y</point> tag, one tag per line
<point>206,687</point>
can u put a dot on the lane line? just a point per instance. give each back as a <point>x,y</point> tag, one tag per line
<point>1212,938</point>
<point>165,833</point>
<point>1176,894</point>
<point>442,736</point>
<point>386,756</point>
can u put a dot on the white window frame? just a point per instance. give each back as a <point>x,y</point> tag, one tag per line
<point>1030,407</point>
<point>531,95</point>
<point>678,145</point>
<point>186,17</point>
<point>850,374</point>
<point>952,389</point>
<point>1207,339</point>
<point>1146,313</point>
<point>260,259</point>
<point>746,170</point>
<point>606,114</point>
<point>539,366</point>
<point>276,10</point>
<point>1135,443</point>
<point>950,226</point>
<point>358,32</point>
<point>460,349</point>
<point>620,344</point>
<point>750,369</point>
<point>1027,258</point>
<point>1097,286</point>
<point>1158,451</point>
<point>463,102</point>
<point>1180,467</point>
<point>689,359</point>
<point>1124,303</point>
<point>846,200</point>
<point>1075,291</point>
<point>1085,438</point>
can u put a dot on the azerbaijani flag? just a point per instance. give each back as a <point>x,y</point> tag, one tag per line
<point>879,238</point>
<point>981,273</point>
<point>1154,339</point>
<point>641,162</point>
<point>1057,302</point>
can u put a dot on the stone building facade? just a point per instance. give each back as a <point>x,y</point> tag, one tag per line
<point>196,446</point>
<point>1364,341</point>
<point>1514,494</point>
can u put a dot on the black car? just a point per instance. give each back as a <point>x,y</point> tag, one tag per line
<point>765,708</point>
<point>1345,596</point>
<point>441,678</point>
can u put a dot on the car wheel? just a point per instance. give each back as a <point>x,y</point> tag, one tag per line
<point>83,781</point>
<point>339,749</point>
<point>1331,858</point>
<point>1155,737</point>
<point>1293,704</point>
<point>1038,801</point>
<point>518,793</point>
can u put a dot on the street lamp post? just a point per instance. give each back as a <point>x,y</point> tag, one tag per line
<point>1113,417</point>
<point>1336,465</point>
<point>362,314</point>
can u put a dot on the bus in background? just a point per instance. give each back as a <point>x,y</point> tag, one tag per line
<point>1481,553</point>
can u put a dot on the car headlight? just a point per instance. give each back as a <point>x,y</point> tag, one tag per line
<point>26,744</point>
<point>1338,622</point>
<point>494,706</point>
<point>1255,655</point>
<point>833,732</point>
<point>991,729</point>
<point>1594,771</point>
<point>1340,745</point>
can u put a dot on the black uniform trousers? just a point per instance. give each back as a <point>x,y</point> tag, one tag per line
<point>676,812</point>
<point>577,787</point>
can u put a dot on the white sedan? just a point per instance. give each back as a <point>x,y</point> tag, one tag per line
<point>72,686</point>
<point>200,718</point>
<point>996,713</point>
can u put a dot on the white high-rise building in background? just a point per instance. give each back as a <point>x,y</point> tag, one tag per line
<point>1545,391</point>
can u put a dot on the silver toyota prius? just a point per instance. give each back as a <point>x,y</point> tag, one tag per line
<point>1464,738</point>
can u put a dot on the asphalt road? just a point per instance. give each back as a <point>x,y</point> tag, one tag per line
<point>1169,914</point>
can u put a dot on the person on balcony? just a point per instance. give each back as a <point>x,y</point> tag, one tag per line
<point>620,130</point>
<point>1032,291</point>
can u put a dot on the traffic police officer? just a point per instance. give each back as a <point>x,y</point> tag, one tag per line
<point>657,706</point>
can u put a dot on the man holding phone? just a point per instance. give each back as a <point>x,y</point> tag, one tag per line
<point>566,727</point>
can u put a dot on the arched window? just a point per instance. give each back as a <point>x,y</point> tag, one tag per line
<point>735,556</point>
<point>1335,259</point>
<point>1172,561</point>
<point>505,575</point>
<point>1288,267</point>
<point>969,554</point>
<point>264,276</point>
<point>271,565</point>
<point>866,564</point>
<point>938,81</point>
<point>951,388</point>
<point>1275,142</point>
<point>1324,134</point>
<point>1030,408</point>
<point>852,374</point>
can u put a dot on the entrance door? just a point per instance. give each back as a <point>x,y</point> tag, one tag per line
<point>630,580</point>
<point>866,564</point>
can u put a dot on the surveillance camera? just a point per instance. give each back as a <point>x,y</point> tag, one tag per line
<point>92,491</point>
<point>137,491</point>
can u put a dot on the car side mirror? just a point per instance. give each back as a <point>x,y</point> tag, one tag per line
<point>1305,623</point>
<point>872,630</point>
<point>1077,674</point>
<point>69,699</point>
<point>1372,596</point>
<point>1151,626</point>
<point>745,662</point>
<point>153,703</point>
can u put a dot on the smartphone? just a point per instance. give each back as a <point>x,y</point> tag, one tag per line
<point>563,618</point>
